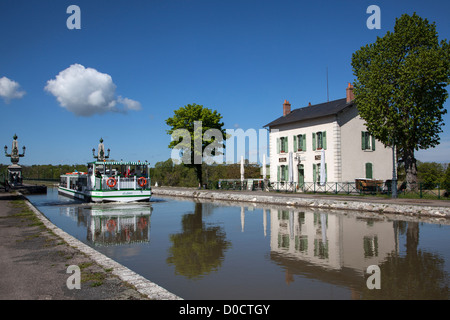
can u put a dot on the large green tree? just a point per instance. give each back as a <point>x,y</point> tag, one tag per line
<point>196,131</point>
<point>400,88</point>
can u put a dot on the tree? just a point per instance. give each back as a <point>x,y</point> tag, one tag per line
<point>400,88</point>
<point>196,131</point>
<point>446,180</point>
<point>429,174</point>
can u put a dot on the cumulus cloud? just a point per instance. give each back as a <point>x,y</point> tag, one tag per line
<point>10,89</point>
<point>86,91</point>
<point>130,104</point>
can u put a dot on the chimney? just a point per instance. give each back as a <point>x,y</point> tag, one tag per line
<point>350,94</point>
<point>286,108</point>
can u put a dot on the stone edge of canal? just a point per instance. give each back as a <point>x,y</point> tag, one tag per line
<point>417,210</point>
<point>142,285</point>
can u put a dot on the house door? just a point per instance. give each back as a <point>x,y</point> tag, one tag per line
<point>369,171</point>
<point>301,175</point>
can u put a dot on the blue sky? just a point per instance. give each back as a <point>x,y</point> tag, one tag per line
<point>242,58</point>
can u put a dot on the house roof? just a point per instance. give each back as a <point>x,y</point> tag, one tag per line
<point>311,112</point>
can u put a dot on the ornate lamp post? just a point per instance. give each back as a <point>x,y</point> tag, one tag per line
<point>14,170</point>
<point>101,152</point>
<point>15,156</point>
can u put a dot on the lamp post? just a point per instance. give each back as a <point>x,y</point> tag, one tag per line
<point>14,170</point>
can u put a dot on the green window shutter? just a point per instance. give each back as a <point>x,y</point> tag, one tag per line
<point>278,173</point>
<point>314,140</point>
<point>369,168</point>
<point>326,173</point>
<point>373,143</point>
<point>295,143</point>
<point>278,145</point>
<point>314,172</point>
<point>324,140</point>
<point>304,142</point>
<point>363,140</point>
<point>286,141</point>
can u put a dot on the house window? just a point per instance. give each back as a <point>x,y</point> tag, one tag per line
<point>282,174</point>
<point>321,249</point>
<point>367,141</point>
<point>282,145</point>
<point>316,172</point>
<point>319,140</point>
<point>300,142</point>
<point>301,243</point>
<point>370,246</point>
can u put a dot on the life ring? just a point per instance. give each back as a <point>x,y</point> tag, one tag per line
<point>111,182</point>
<point>111,225</point>
<point>142,223</point>
<point>142,182</point>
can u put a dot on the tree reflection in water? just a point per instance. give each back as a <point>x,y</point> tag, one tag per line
<point>418,274</point>
<point>198,249</point>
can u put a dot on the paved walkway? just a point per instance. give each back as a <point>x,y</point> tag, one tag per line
<point>35,256</point>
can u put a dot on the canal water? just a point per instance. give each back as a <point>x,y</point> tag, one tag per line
<point>218,250</point>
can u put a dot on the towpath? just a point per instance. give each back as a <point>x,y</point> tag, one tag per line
<point>35,256</point>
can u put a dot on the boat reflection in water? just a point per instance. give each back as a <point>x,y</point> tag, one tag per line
<point>113,225</point>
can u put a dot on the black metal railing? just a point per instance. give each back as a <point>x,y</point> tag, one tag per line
<point>358,187</point>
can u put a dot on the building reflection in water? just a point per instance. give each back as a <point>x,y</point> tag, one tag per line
<point>332,241</point>
<point>113,225</point>
<point>337,248</point>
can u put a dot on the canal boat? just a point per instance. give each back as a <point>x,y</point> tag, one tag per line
<point>108,181</point>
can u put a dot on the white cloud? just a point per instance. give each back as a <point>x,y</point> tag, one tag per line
<point>10,89</point>
<point>86,91</point>
<point>130,104</point>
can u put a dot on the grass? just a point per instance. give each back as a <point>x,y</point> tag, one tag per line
<point>26,214</point>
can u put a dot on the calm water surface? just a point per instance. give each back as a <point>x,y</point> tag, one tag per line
<point>212,250</point>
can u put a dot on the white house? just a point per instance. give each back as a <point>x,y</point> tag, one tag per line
<point>327,142</point>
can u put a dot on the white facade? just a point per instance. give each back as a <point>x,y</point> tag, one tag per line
<point>350,152</point>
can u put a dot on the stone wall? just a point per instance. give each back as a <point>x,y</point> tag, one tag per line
<point>387,207</point>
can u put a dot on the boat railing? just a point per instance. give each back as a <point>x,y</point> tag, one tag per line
<point>121,183</point>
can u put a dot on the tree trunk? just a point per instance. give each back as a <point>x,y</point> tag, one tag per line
<point>411,170</point>
<point>198,171</point>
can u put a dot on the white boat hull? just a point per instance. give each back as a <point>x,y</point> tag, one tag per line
<point>107,195</point>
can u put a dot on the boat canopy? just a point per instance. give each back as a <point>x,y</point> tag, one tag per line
<point>120,163</point>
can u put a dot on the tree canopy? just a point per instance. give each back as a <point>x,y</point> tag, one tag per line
<point>196,130</point>
<point>400,87</point>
